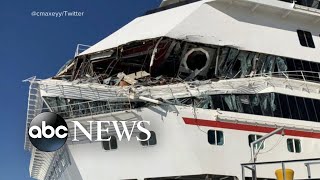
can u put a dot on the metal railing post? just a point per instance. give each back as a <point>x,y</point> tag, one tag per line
<point>90,108</point>
<point>304,79</point>
<point>254,172</point>
<point>308,167</point>
<point>243,172</point>
<point>308,163</point>
<point>111,110</point>
<point>309,171</point>
<point>283,171</point>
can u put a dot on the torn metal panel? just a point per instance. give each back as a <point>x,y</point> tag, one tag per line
<point>138,75</point>
<point>131,78</point>
<point>126,78</point>
<point>101,55</point>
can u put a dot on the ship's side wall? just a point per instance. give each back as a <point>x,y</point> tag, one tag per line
<point>71,172</point>
<point>263,29</point>
<point>183,149</point>
<point>268,27</point>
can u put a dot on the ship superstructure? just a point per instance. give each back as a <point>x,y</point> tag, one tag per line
<point>211,76</point>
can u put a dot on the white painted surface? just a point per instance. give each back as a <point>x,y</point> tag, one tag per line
<point>223,23</point>
<point>184,150</point>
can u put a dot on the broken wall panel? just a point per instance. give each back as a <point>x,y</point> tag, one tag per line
<point>174,60</point>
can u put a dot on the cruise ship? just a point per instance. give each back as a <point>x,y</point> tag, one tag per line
<point>231,89</point>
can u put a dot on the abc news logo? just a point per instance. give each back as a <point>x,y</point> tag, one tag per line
<point>48,131</point>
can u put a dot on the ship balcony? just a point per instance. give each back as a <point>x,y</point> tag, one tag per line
<point>88,108</point>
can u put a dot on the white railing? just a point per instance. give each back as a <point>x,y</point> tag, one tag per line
<point>309,76</point>
<point>283,164</point>
<point>80,49</point>
<point>89,108</point>
<point>34,106</point>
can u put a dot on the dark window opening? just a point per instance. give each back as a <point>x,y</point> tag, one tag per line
<point>305,38</point>
<point>293,107</point>
<point>294,145</point>
<point>151,141</point>
<point>215,137</point>
<point>254,137</point>
<point>302,108</point>
<point>196,60</point>
<point>109,145</point>
<point>269,104</point>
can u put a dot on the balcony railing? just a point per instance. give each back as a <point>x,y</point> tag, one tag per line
<point>307,76</point>
<point>89,108</point>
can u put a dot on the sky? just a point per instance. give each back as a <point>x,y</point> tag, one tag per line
<point>39,46</point>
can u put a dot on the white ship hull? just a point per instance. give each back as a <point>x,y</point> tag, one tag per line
<point>162,66</point>
<point>183,149</point>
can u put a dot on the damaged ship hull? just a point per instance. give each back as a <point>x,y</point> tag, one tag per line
<point>215,78</point>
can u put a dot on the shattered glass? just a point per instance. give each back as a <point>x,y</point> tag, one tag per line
<point>226,70</point>
<point>246,65</point>
<point>268,66</point>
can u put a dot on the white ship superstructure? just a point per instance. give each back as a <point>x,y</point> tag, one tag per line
<point>211,76</point>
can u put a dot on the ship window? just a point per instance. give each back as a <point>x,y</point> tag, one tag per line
<point>311,110</point>
<point>302,108</point>
<point>151,142</point>
<point>245,102</point>
<point>215,137</point>
<point>291,67</point>
<point>317,104</point>
<point>265,104</point>
<point>294,145</point>
<point>284,105</point>
<point>246,62</point>
<point>315,70</point>
<point>269,104</point>
<point>217,102</point>
<point>255,104</point>
<point>268,66</point>
<point>254,137</point>
<point>294,110</point>
<point>275,105</point>
<point>305,38</point>
<point>281,66</point>
<point>109,145</point>
<point>226,68</point>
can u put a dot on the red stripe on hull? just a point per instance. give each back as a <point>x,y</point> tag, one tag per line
<point>246,127</point>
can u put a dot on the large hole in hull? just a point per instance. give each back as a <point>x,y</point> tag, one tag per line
<point>196,60</point>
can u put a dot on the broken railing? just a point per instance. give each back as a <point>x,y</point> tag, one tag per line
<point>89,108</point>
<point>309,76</point>
<point>80,49</point>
